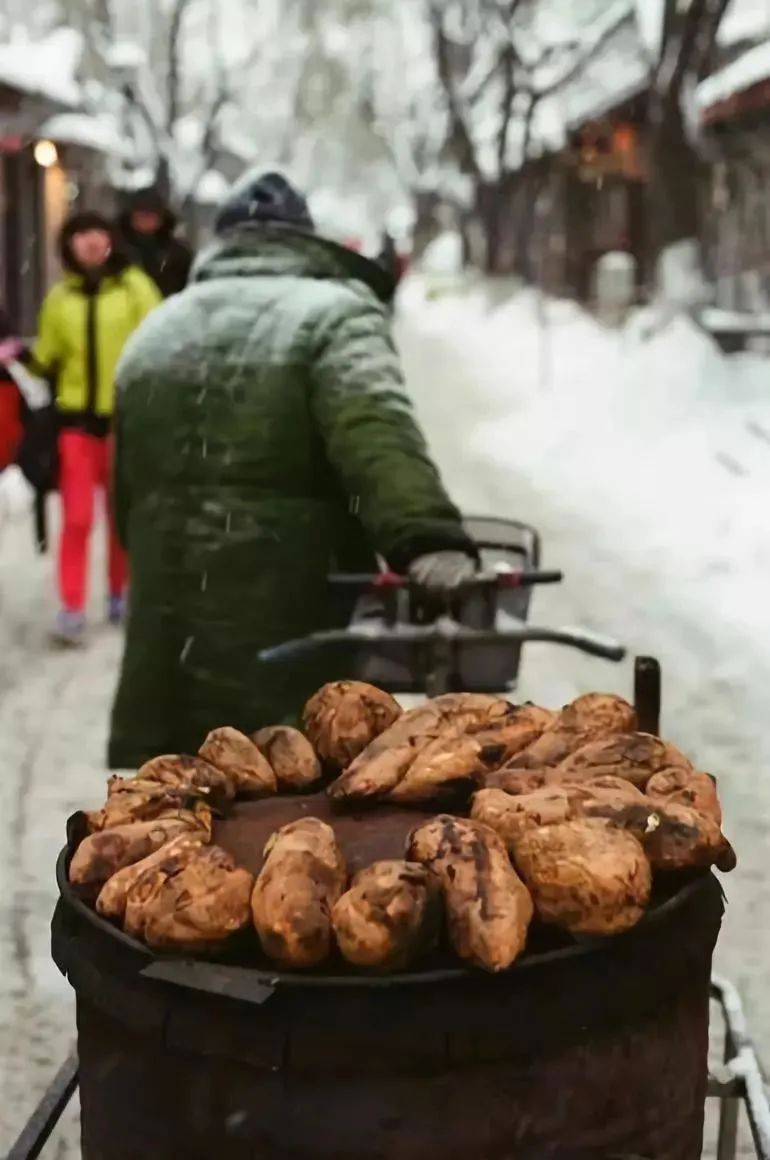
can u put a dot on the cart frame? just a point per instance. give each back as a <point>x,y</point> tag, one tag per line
<point>737,1084</point>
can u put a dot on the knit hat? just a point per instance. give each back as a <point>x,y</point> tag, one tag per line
<point>262,199</point>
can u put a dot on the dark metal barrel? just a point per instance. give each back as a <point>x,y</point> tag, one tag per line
<point>594,1050</point>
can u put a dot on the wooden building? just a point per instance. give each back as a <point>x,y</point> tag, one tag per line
<point>735,116</point>
<point>42,179</point>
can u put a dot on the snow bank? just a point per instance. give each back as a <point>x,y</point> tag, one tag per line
<point>657,439</point>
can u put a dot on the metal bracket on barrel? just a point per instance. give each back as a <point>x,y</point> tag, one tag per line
<point>229,982</point>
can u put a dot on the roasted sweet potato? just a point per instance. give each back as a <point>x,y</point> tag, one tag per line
<point>461,755</point>
<point>194,906</point>
<point>390,916</point>
<point>618,801</point>
<point>237,756</point>
<point>376,777</point>
<point>488,908</point>
<point>462,710</point>
<point>290,756</point>
<point>686,839</point>
<point>450,762</point>
<point>303,876</point>
<point>125,806</point>
<point>515,781</point>
<point>586,876</point>
<point>101,855</point>
<point>112,900</point>
<point>635,757</point>
<point>512,816</point>
<point>180,771</point>
<point>590,718</point>
<point>686,787</point>
<point>342,718</point>
<point>380,768</point>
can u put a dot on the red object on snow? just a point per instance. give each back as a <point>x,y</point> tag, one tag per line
<point>11,428</point>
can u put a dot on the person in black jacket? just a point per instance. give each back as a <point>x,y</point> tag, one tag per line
<point>147,228</point>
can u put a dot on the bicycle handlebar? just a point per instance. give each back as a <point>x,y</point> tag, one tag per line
<point>377,581</point>
<point>444,631</point>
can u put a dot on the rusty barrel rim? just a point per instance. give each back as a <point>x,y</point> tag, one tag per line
<point>274,977</point>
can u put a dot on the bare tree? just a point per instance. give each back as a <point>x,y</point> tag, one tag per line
<point>494,70</point>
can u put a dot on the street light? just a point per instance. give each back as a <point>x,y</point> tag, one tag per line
<point>46,154</point>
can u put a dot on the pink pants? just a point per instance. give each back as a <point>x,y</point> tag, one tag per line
<point>84,469</point>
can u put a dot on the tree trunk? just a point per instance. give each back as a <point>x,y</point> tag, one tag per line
<point>497,207</point>
<point>674,181</point>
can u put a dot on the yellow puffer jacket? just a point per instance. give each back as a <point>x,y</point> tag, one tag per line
<point>81,335</point>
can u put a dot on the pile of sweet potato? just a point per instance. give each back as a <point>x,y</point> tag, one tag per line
<point>571,815</point>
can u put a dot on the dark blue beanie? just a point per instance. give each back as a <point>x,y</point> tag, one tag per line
<point>264,199</point>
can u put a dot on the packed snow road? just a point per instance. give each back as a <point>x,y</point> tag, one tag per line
<point>53,707</point>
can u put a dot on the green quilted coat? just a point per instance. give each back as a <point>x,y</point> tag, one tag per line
<point>263,439</point>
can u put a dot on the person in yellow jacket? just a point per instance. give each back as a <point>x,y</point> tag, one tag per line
<point>84,324</point>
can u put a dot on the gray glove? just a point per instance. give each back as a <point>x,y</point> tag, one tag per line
<point>443,573</point>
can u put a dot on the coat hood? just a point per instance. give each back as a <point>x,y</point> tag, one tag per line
<point>147,199</point>
<point>79,223</point>
<point>279,251</point>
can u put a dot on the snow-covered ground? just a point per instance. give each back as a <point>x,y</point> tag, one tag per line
<point>644,461</point>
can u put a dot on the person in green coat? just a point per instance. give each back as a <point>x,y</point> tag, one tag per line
<point>263,440</point>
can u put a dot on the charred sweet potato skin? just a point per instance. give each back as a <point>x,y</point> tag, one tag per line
<point>181,771</point>
<point>635,757</point>
<point>101,855</point>
<point>586,876</point>
<point>593,717</point>
<point>290,756</point>
<point>236,755</point>
<point>302,878</point>
<point>686,787</point>
<point>438,747</point>
<point>113,898</point>
<point>389,917</point>
<point>488,907</point>
<point>198,907</point>
<point>343,717</point>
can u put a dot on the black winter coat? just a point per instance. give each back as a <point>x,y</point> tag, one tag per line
<point>166,258</point>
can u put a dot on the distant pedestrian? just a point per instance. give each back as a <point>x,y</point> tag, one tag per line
<point>147,229</point>
<point>84,324</point>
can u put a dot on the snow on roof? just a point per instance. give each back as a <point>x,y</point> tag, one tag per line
<point>618,71</point>
<point>100,132</point>
<point>46,68</point>
<point>743,20</point>
<point>749,69</point>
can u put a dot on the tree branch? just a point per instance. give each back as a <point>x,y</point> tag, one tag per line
<point>174,76</point>
<point>578,64</point>
<point>707,40</point>
<point>459,134</point>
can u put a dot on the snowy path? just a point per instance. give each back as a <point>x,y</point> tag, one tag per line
<point>715,703</point>
<point>53,708</point>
